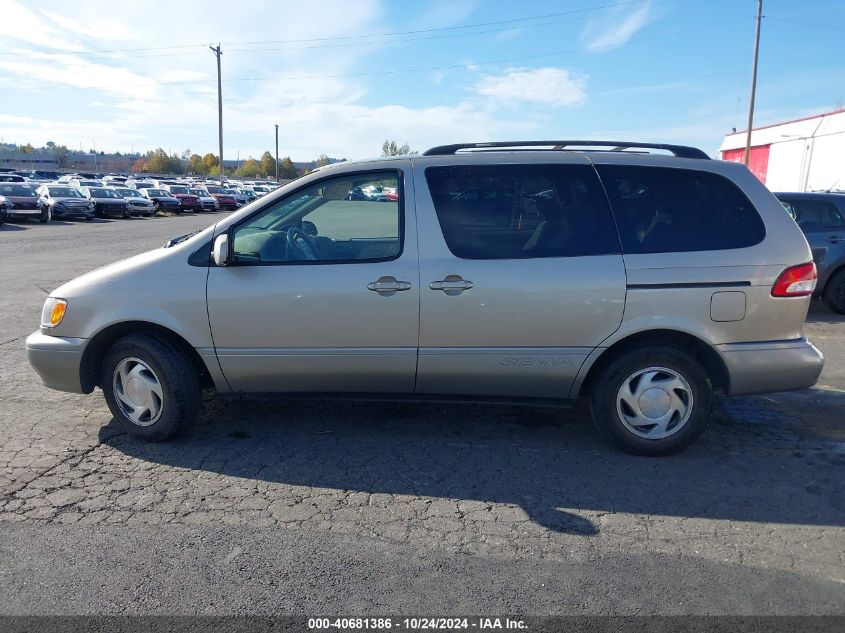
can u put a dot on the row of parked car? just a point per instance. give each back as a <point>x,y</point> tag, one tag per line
<point>86,197</point>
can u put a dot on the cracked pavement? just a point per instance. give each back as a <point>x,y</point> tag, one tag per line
<point>295,506</point>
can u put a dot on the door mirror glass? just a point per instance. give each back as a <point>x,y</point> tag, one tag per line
<point>220,252</point>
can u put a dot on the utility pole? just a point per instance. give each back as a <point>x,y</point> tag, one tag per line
<point>277,152</point>
<point>753,83</point>
<point>216,50</point>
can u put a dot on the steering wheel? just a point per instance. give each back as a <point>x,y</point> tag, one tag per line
<point>298,241</point>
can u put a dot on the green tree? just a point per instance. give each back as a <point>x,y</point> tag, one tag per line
<point>209,163</point>
<point>157,161</point>
<point>27,149</point>
<point>268,165</point>
<point>248,169</point>
<point>390,148</point>
<point>287,169</point>
<point>195,165</point>
<point>322,161</point>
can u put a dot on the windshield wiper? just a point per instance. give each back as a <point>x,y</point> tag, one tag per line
<point>180,239</point>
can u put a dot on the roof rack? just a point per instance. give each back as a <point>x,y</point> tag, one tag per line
<point>680,151</point>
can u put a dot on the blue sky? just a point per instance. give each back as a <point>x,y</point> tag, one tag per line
<point>339,77</point>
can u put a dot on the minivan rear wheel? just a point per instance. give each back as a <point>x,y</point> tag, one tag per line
<point>151,387</point>
<point>652,400</point>
<point>834,293</point>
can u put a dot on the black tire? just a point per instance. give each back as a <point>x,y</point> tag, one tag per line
<point>834,292</point>
<point>127,214</point>
<point>603,399</point>
<point>179,385</point>
<point>45,216</point>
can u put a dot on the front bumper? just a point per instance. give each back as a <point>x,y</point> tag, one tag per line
<point>24,213</point>
<point>71,212</point>
<point>57,360</point>
<point>771,366</point>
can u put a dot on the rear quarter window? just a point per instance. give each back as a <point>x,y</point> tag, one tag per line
<point>668,210</point>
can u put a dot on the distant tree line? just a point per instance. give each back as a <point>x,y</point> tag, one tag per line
<point>160,162</point>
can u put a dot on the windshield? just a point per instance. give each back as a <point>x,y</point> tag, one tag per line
<point>197,192</point>
<point>21,191</point>
<point>178,190</point>
<point>129,193</point>
<point>65,192</point>
<point>103,193</point>
<point>213,189</point>
<point>157,192</point>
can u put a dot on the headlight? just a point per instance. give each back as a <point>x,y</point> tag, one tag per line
<point>53,312</point>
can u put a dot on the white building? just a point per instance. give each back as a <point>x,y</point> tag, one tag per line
<point>805,154</point>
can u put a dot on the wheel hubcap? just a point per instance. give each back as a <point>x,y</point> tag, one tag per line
<point>654,403</point>
<point>138,391</point>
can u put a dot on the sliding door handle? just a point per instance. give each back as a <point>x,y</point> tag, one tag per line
<point>451,284</point>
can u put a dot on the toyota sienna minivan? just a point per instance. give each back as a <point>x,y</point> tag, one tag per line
<point>642,278</point>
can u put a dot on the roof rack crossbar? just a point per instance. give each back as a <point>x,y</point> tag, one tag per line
<point>680,151</point>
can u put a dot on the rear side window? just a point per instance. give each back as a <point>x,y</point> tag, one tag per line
<point>815,215</point>
<point>666,210</point>
<point>522,211</point>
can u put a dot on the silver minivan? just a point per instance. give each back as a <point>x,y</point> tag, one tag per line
<point>643,278</point>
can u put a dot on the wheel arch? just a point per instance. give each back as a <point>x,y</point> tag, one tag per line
<point>95,351</point>
<point>703,352</point>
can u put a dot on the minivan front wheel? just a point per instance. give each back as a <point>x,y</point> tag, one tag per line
<point>151,387</point>
<point>652,400</point>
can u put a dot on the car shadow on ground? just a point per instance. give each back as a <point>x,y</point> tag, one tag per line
<point>6,226</point>
<point>550,462</point>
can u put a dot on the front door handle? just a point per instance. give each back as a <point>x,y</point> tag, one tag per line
<point>451,285</point>
<point>388,286</point>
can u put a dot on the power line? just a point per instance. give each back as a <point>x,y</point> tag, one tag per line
<point>461,65</point>
<point>101,52</point>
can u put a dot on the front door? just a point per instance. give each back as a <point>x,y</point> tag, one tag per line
<point>521,276</point>
<point>322,294</point>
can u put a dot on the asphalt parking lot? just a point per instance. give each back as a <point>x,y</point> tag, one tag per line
<point>316,507</point>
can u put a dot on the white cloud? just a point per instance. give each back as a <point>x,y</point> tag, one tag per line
<point>607,34</point>
<point>547,86</point>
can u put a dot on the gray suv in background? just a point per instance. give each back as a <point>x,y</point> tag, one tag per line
<point>821,216</point>
<point>530,271</point>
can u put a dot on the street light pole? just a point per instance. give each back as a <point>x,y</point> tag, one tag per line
<point>216,50</point>
<point>753,83</point>
<point>277,152</point>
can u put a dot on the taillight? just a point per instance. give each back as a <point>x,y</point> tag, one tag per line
<point>796,281</point>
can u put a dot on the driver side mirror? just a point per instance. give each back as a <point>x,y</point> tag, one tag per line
<point>220,251</point>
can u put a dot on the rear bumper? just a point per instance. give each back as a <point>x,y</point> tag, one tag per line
<point>57,360</point>
<point>771,366</point>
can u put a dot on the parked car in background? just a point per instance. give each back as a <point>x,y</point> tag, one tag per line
<point>23,203</point>
<point>224,199</point>
<point>209,202</point>
<point>83,182</point>
<point>241,197</point>
<point>12,178</point>
<point>187,201</point>
<point>138,203</point>
<point>161,199</point>
<point>107,201</point>
<point>821,216</point>
<point>64,201</point>
<point>641,282</point>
